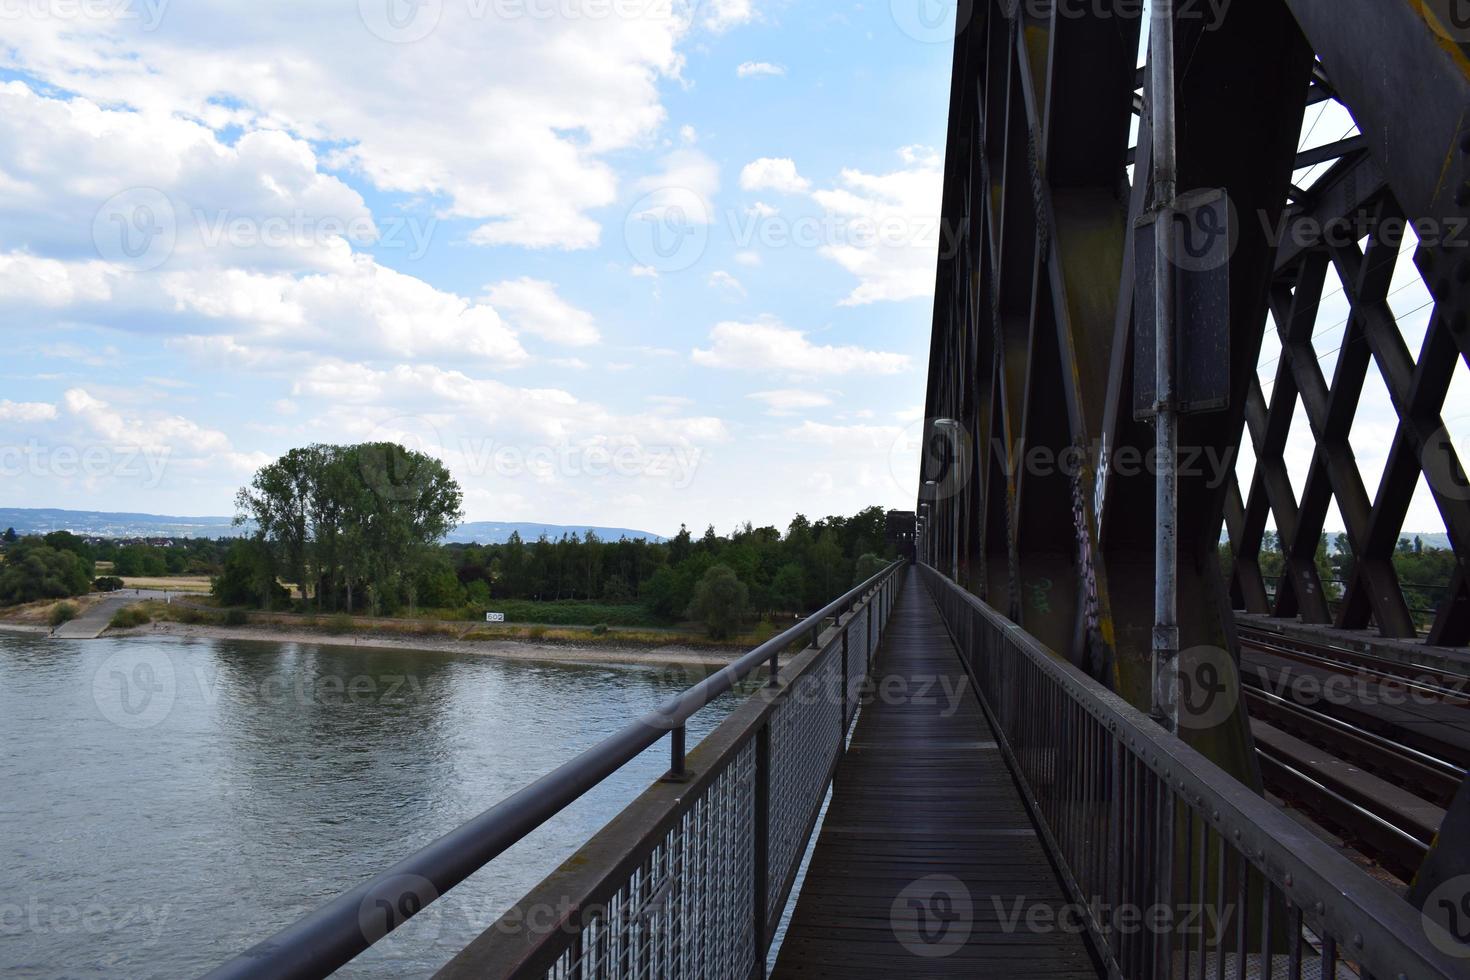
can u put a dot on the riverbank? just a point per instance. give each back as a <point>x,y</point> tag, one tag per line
<point>506,649</point>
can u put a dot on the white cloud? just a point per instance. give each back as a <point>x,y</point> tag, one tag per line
<point>721,15</point>
<point>769,346</point>
<point>787,401</point>
<point>688,179</point>
<point>505,120</point>
<point>886,228</point>
<point>533,306</point>
<point>748,258</point>
<point>773,173</point>
<point>643,272</point>
<point>720,279</point>
<point>889,228</point>
<point>760,209</point>
<point>26,411</point>
<point>755,69</point>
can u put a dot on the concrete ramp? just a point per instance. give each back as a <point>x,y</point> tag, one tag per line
<point>90,624</point>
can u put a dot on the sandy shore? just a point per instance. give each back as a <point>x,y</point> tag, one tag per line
<point>610,653</point>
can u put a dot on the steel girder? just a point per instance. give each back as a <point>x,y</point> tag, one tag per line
<point>1033,321</point>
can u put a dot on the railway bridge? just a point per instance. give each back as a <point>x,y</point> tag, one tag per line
<point>1113,712</point>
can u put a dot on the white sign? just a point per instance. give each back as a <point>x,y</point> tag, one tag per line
<point>494,617</point>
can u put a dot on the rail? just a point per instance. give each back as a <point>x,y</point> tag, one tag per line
<point>778,761</point>
<point>1145,829</point>
<point>691,880</point>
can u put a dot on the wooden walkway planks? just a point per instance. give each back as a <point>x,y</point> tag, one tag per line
<point>927,851</point>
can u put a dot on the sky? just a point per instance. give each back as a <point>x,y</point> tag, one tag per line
<point>624,262</point>
<point>631,263</point>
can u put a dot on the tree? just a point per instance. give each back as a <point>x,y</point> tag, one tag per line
<point>719,602</point>
<point>249,577</point>
<point>10,536</point>
<point>34,570</point>
<point>867,566</point>
<point>788,589</point>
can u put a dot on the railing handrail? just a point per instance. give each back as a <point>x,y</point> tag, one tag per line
<point>328,938</point>
<point>1307,870</point>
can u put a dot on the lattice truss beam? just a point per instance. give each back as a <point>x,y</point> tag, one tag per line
<point>1046,176</point>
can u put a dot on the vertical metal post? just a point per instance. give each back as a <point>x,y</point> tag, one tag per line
<point>1166,503</point>
<point>676,753</point>
<point>760,843</point>
<point>846,684</point>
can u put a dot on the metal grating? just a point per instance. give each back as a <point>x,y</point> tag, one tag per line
<point>686,911</point>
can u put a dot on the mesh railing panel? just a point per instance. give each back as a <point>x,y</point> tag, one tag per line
<point>806,735</point>
<point>1141,822</point>
<point>686,911</point>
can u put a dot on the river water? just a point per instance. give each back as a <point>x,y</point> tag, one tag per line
<point>165,803</point>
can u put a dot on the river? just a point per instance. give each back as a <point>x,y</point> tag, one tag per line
<point>165,803</point>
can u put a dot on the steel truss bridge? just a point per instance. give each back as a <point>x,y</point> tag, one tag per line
<point>847,820</point>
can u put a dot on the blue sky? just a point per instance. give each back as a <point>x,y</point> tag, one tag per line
<point>225,234</point>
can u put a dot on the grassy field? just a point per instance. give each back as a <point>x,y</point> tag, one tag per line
<point>197,584</point>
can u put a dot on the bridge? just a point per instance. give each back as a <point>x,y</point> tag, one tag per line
<point>1064,736</point>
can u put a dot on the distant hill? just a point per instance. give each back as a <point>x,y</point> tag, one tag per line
<point>100,524</point>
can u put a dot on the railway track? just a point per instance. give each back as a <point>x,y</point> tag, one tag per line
<point>1380,785</point>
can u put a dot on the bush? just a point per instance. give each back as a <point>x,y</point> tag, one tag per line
<point>130,618</point>
<point>108,583</point>
<point>62,612</point>
<point>236,617</point>
<point>600,629</point>
<point>339,624</point>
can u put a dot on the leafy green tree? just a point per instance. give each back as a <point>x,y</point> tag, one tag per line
<point>866,567</point>
<point>10,537</point>
<point>788,590</point>
<point>248,577</point>
<point>720,602</point>
<point>34,570</point>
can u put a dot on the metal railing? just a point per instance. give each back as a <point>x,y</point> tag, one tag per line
<point>691,880</point>
<point>712,858</point>
<point>1138,822</point>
